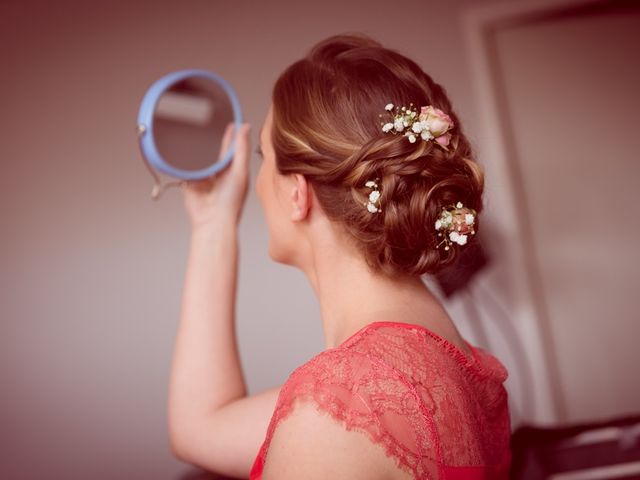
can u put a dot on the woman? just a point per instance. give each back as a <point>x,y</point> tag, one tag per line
<point>364,196</point>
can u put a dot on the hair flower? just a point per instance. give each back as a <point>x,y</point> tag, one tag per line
<point>374,197</point>
<point>430,124</point>
<point>455,224</point>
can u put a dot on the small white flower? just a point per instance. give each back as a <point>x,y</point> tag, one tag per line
<point>459,205</point>
<point>438,224</point>
<point>405,122</point>
<point>468,219</point>
<point>413,114</point>
<point>453,236</point>
<point>374,196</point>
<point>372,208</point>
<point>426,134</point>
<point>370,183</point>
<point>389,106</point>
<point>387,127</point>
<point>412,138</point>
<point>462,239</point>
<point>416,127</point>
<point>398,124</point>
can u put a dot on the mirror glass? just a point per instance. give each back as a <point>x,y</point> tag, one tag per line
<point>189,120</point>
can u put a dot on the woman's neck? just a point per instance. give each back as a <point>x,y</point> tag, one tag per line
<point>351,296</point>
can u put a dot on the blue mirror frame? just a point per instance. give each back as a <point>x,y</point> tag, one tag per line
<point>145,124</point>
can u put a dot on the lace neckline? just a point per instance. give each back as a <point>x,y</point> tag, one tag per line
<point>471,362</point>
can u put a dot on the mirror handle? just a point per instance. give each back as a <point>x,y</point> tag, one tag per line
<point>158,188</point>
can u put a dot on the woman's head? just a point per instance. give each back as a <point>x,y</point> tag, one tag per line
<point>324,133</point>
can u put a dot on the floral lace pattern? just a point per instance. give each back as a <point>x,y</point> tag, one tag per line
<point>433,408</point>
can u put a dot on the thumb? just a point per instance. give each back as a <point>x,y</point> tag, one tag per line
<point>241,154</point>
<point>226,140</point>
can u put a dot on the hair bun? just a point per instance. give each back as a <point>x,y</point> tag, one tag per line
<point>423,218</point>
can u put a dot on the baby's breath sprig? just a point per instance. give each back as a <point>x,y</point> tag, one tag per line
<point>430,124</point>
<point>373,205</point>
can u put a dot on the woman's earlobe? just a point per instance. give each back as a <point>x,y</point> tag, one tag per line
<point>296,213</point>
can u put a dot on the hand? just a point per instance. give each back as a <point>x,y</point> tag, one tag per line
<point>224,193</point>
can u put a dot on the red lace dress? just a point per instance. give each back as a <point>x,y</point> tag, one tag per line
<point>440,413</point>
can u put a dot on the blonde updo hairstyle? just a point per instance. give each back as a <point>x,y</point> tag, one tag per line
<point>326,126</point>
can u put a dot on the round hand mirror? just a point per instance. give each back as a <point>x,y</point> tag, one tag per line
<point>181,122</point>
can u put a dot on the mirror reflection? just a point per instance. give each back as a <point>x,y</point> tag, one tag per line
<point>189,121</point>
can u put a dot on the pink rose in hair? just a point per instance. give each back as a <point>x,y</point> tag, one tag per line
<point>462,219</point>
<point>439,122</point>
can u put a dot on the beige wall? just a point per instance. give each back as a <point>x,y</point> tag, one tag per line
<point>92,268</point>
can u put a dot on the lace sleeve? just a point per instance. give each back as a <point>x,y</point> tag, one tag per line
<point>365,394</point>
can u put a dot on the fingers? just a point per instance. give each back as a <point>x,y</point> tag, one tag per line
<point>226,140</point>
<point>242,141</point>
<point>242,153</point>
<point>239,162</point>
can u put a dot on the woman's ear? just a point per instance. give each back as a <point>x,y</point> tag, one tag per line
<point>300,197</point>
